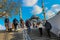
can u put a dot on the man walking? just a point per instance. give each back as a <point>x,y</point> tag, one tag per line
<point>28,24</point>
<point>15,22</point>
<point>7,23</point>
<point>48,28</point>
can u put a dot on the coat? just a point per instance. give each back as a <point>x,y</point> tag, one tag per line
<point>48,25</point>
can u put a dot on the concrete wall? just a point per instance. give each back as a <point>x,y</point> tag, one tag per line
<point>55,22</point>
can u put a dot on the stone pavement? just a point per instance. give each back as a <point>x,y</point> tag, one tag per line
<point>2,36</point>
<point>17,36</point>
<point>6,35</point>
<point>11,35</point>
<point>34,35</point>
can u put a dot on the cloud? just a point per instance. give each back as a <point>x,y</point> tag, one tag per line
<point>50,14</point>
<point>2,27</point>
<point>29,2</point>
<point>36,9</point>
<point>56,7</point>
<point>53,11</point>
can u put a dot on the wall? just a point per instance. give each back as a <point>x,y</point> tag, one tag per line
<point>55,22</point>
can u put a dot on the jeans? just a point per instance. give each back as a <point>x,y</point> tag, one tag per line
<point>29,29</point>
<point>48,32</point>
<point>40,30</point>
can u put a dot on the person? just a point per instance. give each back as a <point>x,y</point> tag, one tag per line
<point>15,22</point>
<point>28,24</point>
<point>34,25</point>
<point>7,23</point>
<point>22,23</point>
<point>10,27</point>
<point>13,27</point>
<point>48,27</point>
<point>40,26</point>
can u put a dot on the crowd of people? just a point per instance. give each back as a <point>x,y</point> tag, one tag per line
<point>9,26</point>
<point>40,25</point>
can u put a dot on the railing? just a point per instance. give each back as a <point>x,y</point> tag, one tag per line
<point>25,35</point>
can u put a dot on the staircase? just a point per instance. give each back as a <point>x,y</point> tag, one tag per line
<point>34,34</point>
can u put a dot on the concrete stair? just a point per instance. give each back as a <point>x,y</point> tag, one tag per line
<point>34,35</point>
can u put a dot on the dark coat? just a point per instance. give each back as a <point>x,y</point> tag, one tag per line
<point>28,23</point>
<point>6,20</point>
<point>48,25</point>
<point>15,22</point>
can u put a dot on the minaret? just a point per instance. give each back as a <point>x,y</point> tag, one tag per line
<point>43,10</point>
<point>20,13</point>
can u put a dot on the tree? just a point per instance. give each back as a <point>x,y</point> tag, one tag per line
<point>9,7</point>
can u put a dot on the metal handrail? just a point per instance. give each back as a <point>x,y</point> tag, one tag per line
<point>25,35</point>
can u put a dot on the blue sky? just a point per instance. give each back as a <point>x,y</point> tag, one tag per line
<point>47,4</point>
<point>34,7</point>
